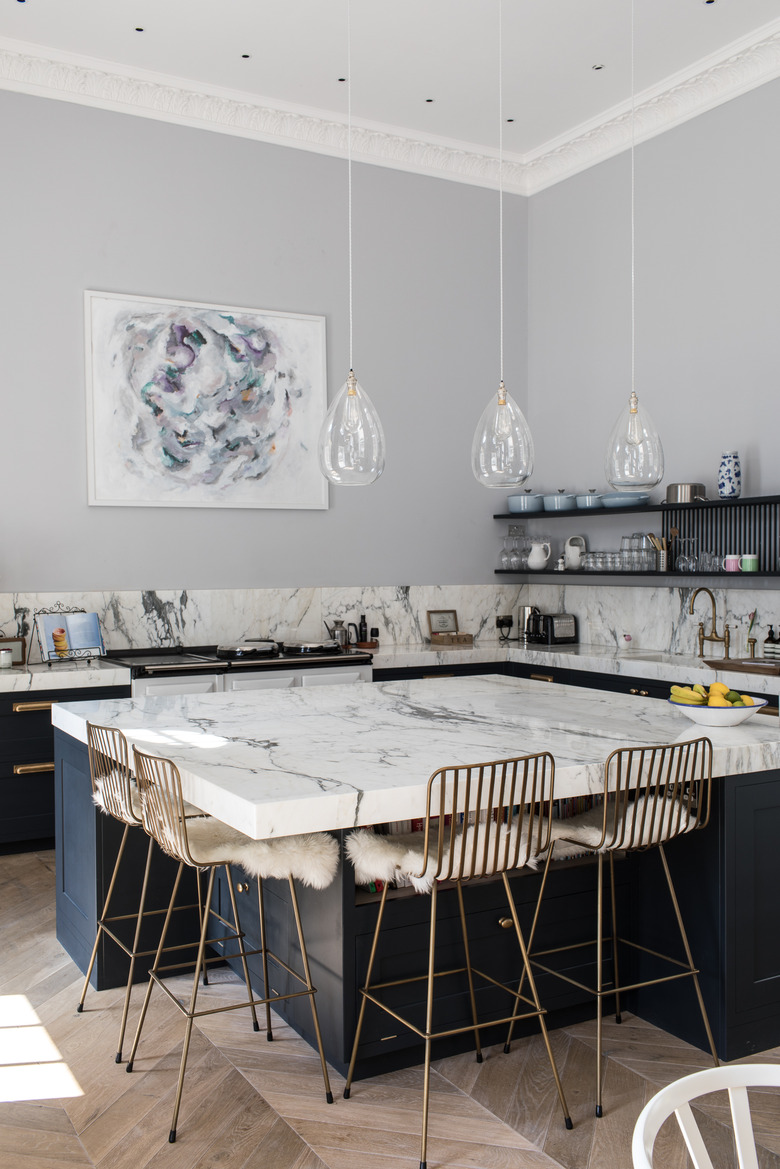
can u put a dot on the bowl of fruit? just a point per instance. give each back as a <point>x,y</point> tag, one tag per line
<point>716,705</point>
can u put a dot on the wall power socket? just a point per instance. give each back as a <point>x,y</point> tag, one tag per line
<point>504,622</point>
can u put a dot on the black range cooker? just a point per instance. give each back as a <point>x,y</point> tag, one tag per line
<point>257,655</point>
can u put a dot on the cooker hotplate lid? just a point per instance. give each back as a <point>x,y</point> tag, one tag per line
<point>309,647</point>
<point>247,649</point>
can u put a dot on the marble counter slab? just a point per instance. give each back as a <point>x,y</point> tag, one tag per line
<point>648,664</point>
<point>63,676</point>
<point>278,762</point>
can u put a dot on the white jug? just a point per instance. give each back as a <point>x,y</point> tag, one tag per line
<point>539,555</point>
<point>572,552</point>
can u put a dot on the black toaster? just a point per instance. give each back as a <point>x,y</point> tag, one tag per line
<point>552,629</point>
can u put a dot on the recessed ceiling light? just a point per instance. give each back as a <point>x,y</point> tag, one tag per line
<point>510,119</point>
<point>597,67</point>
<point>139,30</point>
<point>709,1</point>
<point>342,79</point>
<point>429,100</point>
<point>245,56</point>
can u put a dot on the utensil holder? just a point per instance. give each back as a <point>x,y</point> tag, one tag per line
<point>660,561</point>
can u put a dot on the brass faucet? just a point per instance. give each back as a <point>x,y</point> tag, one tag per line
<point>713,636</point>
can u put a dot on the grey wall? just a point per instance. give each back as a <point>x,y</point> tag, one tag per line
<point>93,199</point>
<point>707,302</point>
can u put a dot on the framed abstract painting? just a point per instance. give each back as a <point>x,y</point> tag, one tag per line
<point>199,405</point>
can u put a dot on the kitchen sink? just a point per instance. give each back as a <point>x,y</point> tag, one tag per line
<point>744,665</point>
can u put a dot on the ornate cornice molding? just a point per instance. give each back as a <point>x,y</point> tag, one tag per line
<point>26,69</point>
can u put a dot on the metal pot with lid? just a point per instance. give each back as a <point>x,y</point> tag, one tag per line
<point>686,493</point>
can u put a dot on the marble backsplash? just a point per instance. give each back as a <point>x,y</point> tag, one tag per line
<point>651,617</point>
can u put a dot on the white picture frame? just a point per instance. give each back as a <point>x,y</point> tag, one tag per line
<point>200,405</point>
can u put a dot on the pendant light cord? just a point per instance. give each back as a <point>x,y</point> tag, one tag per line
<point>349,167</point>
<point>501,190</point>
<point>633,224</point>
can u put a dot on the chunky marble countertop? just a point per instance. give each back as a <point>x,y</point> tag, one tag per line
<point>641,663</point>
<point>278,762</point>
<point>63,676</point>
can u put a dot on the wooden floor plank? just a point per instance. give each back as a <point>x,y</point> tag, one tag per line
<point>250,1104</point>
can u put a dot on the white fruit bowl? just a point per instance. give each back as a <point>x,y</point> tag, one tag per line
<point>719,716</point>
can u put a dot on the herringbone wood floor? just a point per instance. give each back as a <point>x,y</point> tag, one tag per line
<point>253,1105</point>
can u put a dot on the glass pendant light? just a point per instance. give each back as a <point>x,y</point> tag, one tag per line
<point>502,451</point>
<point>352,442</point>
<point>634,459</point>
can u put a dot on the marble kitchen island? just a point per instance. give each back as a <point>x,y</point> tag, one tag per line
<point>279,762</point>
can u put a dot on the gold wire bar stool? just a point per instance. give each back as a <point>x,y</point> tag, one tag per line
<point>650,796</point>
<point>114,791</point>
<point>481,821</point>
<point>208,844</point>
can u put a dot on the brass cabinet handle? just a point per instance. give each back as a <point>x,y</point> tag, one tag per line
<point>242,887</point>
<point>633,690</point>
<point>541,677</point>
<point>644,693</point>
<point>26,707</point>
<point>506,923</point>
<point>31,768</point>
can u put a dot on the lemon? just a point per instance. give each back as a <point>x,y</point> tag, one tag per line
<point>747,700</point>
<point>717,700</point>
<point>718,688</point>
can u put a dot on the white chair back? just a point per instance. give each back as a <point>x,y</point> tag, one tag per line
<point>675,1099</point>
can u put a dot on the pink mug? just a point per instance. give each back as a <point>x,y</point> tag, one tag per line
<point>733,564</point>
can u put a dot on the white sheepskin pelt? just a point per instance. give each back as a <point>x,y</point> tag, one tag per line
<point>311,859</point>
<point>581,834</point>
<point>99,797</point>
<point>386,858</point>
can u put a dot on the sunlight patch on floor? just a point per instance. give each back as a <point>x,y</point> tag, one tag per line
<point>31,1067</point>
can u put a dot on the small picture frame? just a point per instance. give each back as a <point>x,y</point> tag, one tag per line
<point>442,621</point>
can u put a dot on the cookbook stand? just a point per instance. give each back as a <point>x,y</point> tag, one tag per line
<point>58,640</point>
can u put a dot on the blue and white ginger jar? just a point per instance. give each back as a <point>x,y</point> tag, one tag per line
<point>729,476</point>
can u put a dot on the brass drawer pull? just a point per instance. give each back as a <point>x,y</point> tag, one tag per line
<point>641,693</point>
<point>506,923</point>
<point>26,707</point>
<point>541,677</point>
<point>31,768</point>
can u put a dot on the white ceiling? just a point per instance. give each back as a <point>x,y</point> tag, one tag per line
<point>688,56</point>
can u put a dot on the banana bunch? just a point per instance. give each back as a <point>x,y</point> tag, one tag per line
<point>717,695</point>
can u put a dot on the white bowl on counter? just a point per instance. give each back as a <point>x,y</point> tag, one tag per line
<point>525,502</point>
<point>719,716</point>
<point>560,502</point>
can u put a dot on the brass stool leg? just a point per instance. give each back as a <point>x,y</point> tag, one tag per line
<point>155,964</point>
<point>136,943</point>
<point>599,977</point>
<point>428,1027</point>
<point>537,1004</point>
<point>240,937</point>
<point>264,947</point>
<point>364,1000</point>
<point>469,975</point>
<point>529,946</point>
<point>193,999</point>
<point>618,1018</point>
<point>307,972</point>
<point>106,904</point>
<point>689,956</point>
<point>201,910</point>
